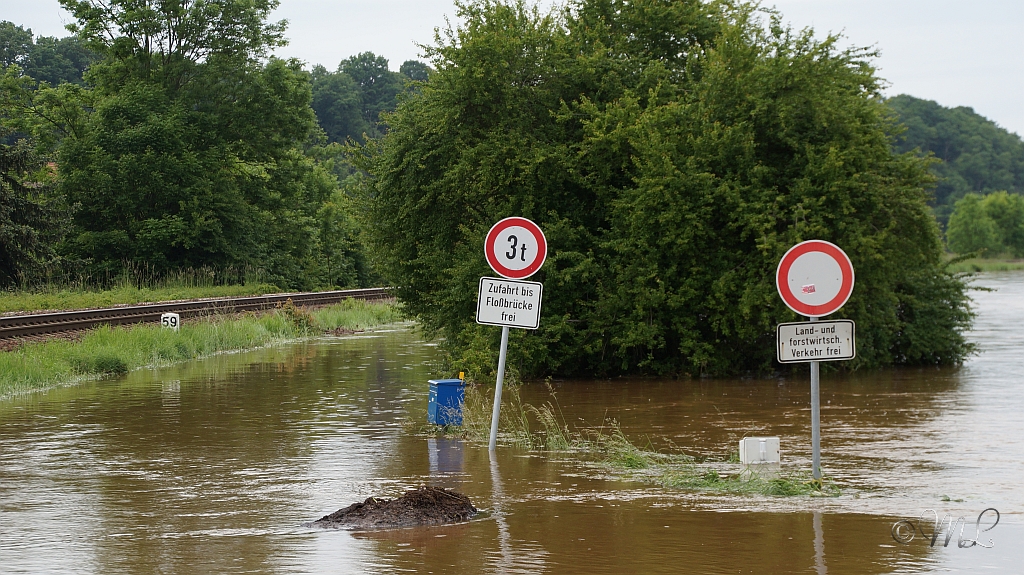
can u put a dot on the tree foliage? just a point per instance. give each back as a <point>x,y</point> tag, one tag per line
<point>987,225</point>
<point>46,59</point>
<point>338,104</point>
<point>349,101</point>
<point>976,154</point>
<point>32,221</point>
<point>672,151</point>
<point>193,153</point>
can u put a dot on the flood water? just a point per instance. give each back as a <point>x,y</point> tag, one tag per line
<point>215,466</point>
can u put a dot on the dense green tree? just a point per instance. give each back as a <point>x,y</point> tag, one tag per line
<point>194,153</point>
<point>1007,212</point>
<point>32,221</point>
<point>672,151</point>
<point>338,103</point>
<point>971,229</point>
<point>988,225</point>
<point>15,43</point>
<point>976,154</point>
<point>59,60</point>
<point>34,218</point>
<point>378,85</point>
<point>51,60</point>
<point>349,102</point>
<point>343,259</point>
<point>415,70</point>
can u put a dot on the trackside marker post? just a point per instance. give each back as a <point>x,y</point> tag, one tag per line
<point>515,249</point>
<point>815,278</point>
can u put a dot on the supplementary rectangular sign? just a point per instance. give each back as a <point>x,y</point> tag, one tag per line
<point>509,303</point>
<point>816,341</point>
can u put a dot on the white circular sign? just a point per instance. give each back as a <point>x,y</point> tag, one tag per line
<point>815,278</point>
<point>515,248</point>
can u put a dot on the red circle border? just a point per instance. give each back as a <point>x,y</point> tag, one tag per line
<point>782,277</point>
<point>492,258</point>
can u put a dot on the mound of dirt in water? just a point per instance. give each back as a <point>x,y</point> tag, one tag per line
<point>423,506</point>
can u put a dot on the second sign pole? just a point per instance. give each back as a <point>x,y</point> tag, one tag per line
<point>815,420</point>
<point>497,389</point>
<point>815,278</point>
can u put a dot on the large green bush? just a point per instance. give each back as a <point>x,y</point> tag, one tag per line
<point>672,151</point>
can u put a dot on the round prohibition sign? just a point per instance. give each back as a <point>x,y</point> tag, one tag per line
<point>815,278</point>
<point>515,248</point>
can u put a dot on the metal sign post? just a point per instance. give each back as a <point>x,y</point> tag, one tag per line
<point>815,278</point>
<point>507,303</point>
<point>496,410</point>
<point>812,342</point>
<point>515,248</point>
<point>815,420</point>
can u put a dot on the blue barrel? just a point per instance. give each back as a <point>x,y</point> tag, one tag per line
<point>445,404</point>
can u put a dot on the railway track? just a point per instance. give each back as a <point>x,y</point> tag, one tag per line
<point>46,323</point>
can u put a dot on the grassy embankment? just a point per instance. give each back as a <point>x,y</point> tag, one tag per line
<point>64,299</point>
<point>118,350</point>
<point>974,265</point>
<point>606,448</point>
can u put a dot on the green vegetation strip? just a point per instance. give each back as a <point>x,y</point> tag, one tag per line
<point>119,350</point>
<point>608,450</point>
<point>122,295</point>
<point>975,265</point>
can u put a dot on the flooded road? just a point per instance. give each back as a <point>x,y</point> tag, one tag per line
<point>214,467</point>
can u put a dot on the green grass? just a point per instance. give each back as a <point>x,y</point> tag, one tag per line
<point>110,351</point>
<point>974,265</point>
<point>126,294</point>
<point>709,479</point>
<point>606,448</point>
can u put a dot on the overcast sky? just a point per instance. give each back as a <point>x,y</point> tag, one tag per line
<point>957,52</point>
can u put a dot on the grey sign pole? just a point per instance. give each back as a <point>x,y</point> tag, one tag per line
<point>497,389</point>
<point>815,420</point>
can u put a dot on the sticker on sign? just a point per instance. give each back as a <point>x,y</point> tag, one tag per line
<point>509,303</point>
<point>816,341</point>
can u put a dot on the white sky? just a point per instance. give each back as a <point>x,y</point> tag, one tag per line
<point>957,52</point>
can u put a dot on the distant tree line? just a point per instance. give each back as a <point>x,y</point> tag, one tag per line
<point>44,58</point>
<point>975,158</point>
<point>349,101</point>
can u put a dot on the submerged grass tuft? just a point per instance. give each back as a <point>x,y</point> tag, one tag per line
<point>608,449</point>
<point>692,477</point>
<point>112,351</point>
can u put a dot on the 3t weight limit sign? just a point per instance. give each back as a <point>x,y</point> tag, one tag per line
<point>515,248</point>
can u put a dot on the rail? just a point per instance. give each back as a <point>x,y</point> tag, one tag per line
<point>44,323</point>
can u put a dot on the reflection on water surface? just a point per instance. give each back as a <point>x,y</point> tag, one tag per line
<point>214,466</point>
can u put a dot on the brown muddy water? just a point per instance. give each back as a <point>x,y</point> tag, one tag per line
<point>215,466</point>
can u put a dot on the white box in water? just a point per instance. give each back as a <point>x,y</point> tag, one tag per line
<point>760,451</point>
